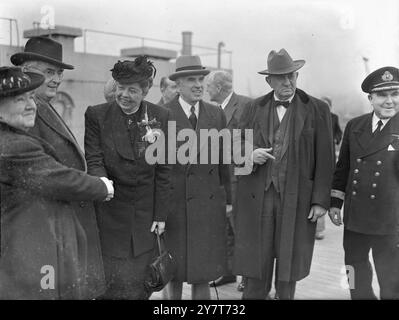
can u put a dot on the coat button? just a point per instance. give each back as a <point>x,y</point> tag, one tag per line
<point>358,160</point>
<point>377,174</point>
<point>374,185</point>
<point>356,171</point>
<point>353,193</point>
<point>379,163</point>
<point>81,204</point>
<point>372,197</point>
<point>354,181</point>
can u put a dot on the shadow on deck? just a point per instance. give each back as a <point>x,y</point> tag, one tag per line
<point>326,281</point>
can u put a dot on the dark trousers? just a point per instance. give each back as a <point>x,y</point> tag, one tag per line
<point>230,247</point>
<point>230,229</point>
<point>174,291</point>
<point>271,233</point>
<point>384,251</point>
<point>396,271</point>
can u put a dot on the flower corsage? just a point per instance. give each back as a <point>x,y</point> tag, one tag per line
<point>151,127</point>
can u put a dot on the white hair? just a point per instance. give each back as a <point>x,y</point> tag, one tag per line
<point>222,78</point>
<point>109,90</point>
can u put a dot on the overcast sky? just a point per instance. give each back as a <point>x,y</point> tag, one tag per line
<point>332,36</point>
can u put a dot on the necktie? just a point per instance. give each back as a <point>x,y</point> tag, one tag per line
<point>378,129</point>
<point>193,117</point>
<point>285,104</point>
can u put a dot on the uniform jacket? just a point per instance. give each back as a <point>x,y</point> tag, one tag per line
<point>50,127</point>
<point>141,189</point>
<point>367,172</point>
<point>309,173</point>
<point>39,225</point>
<point>195,230</point>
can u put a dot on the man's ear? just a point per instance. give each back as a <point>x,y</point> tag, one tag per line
<point>267,78</point>
<point>370,97</point>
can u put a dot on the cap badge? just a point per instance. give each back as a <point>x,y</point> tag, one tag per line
<point>387,76</point>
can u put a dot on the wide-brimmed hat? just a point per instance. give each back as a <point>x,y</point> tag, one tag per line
<point>386,78</point>
<point>14,82</point>
<point>281,63</point>
<point>187,66</point>
<point>43,49</point>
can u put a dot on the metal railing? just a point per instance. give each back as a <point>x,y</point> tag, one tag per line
<point>11,20</point>
<point>214,51</point>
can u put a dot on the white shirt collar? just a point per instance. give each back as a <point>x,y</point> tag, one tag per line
<point>289,100</point>
<point>226,101</point>
<point>187,107</point>
<point>375,120</point>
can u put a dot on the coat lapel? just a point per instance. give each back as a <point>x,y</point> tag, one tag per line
<point>263,120</point>
<point>180,117</point>
<point>385,137</point>
<point>287,138</point>
<point>120,134</point>
<point>47,113</point>
<point>299,118</point>
<point>231,108</point>
<point>204,122</point>
<point>363,133</point>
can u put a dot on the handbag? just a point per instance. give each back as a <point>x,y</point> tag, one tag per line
<point>161,270</point>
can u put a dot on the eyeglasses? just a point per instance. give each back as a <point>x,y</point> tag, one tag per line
<point>48,72</point>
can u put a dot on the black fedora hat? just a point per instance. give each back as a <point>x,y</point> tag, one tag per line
<point>281,63</point>
<point>43,49</point>
<point>14,82</point>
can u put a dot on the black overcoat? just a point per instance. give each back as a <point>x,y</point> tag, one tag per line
<point>309,176</point>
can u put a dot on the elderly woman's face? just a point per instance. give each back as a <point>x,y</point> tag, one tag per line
<point>19,111</point>
<point>129,96</point>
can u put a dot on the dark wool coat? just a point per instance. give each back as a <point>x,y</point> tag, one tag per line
<point>196,227</point>
<point>337,132</point>
<point>234,109</point>
<point>39,225</point>
<point>50,127</point>
<point>141,190</point>
<point>233,112</point>
<point>309,176</point>
<point>368,173</point>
